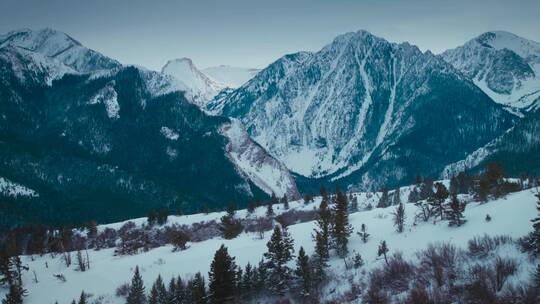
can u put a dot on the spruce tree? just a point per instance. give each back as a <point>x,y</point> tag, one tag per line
<point>180,296</point>
<point>171,292</point>
<point>342,229</point>
<point>269,210</point>
<point>280,252</point>
<point>455,211</point>
<point>396,197</point>
<point>537,277</point>
<point>248,281</point>
<point>230,226</point>
<point>324,223</point>
<point>285,202</point>
<point>222,278</point>
<point>15,294</point>
<point>320,258</point>
<point>383,250</point>
<point>197,289</point>
<point>399,218</point>
<point>136,289</point>
<point>82,298</point>
<point>158,293</point>
<point>438,199</point>
<point>383,201</point>
<point>535,236</point>
<point>303,273</point>
<point>363,233</point>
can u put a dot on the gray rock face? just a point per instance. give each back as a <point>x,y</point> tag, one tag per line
<point>361,108</point>
<point>503,65</point>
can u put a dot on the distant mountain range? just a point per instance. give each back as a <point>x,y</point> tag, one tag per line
<point>86,137</point>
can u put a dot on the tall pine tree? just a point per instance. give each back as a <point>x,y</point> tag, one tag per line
<point>303,273</point>
<point>136,289</point>
<point>535,236</point>
<point>280,252</point>
<point>222,278</point>
<point>454,212</point>
<point>399,217</point>
<point>438,199</point>
<point>342,229</point>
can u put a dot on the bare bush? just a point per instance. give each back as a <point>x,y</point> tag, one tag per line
<point>123,290</point>
<point>483,246</point>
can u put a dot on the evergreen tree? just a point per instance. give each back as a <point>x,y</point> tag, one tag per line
<point>280,252</point>
<point>15,294</point>
<point>222,277</point>
<point>269,210</point>
<point>82,298</point>
<point>324,223</point>
<point>396,197</point>
<point>251,207</point>
<point>358,261</point>
<point>152,217</point>
<point>437,201</point>
<point>535,236</point>
<point>383,201</point>
<point>158,293</point>
<point>455,211</point>
<point>136,289</point>
<point>399,218</point>
<point>285,202</point>
<point>342,229</point>
<point>320,258</point>
<point>180,295</point>
<point>426,189</point>
<point>162,216</point>
<point>383,250</point>
<point>171,292</point>
<point>248,281</point>
<point>363,233</point>
<point>230,227</point>
<point>537,277</point>
<point>197,288</point>
<point>303,273</point>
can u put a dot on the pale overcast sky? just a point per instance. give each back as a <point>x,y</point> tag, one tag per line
<point>253,33</point>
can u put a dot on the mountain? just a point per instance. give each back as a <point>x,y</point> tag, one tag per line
<point>199,86</point>
<point>364,112</point>
<point>111,144</point>
<point>61,47</point>
<point>518,149</point>
<point>505,66</point>
<point>232,77</point>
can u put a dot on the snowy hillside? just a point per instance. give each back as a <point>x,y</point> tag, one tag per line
<point>509,216</point>
<point>505,66</point>
<point>232,77</point>
<point>199,86</point>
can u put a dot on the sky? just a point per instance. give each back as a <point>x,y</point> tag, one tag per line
<point>254,33</point>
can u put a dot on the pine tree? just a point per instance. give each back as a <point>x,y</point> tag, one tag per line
<point>537,277</point>
<point>248,281</point>
<point>180,296</point>
<point>171,292</point>
<point>136,289</point>
<point>162,216</point>
<point>455,211</point>
<point>15,294</point>
<point>324,222</point>
<point>399,218</point>
<point>358,261</point>
<point>437,201</point>
<point>251,207</point>
<point>197,289</point>
<point>342,229</point>
<point>535,235</point>
<point>320,258</point>
<point>303,273</point>
<point>396,197</point>
<point>158,293</point>
<point>383,201</point>
<point>280,252</point>
<point>82,298</point>
<point>152,217</point>
<point>230,227</point>
<point>383,250</point>
<point>285,202</point>
<point>363,233</point>
<point>222,277</point>
<point>269,210</point>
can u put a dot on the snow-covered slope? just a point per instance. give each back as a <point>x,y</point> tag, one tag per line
<point>232,77</point>
<point>200,87</point>
<point>9,188</point>
<point>263,170</point>
<point>510,216</point>
<point>60,46</point>
<point>357,105</point>
<point>505,66</point>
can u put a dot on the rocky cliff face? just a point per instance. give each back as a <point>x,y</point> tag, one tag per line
<point>364,111</point>
<point>505,66</point>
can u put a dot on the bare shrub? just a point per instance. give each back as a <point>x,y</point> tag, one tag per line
<point>438,264</point>
<point>296,216</point>
<point>123,290</point>
<point>483,246</point>
<point>503,269</point>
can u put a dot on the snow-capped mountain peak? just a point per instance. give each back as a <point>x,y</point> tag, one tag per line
<point>231,76</point>
<point>60,46</point>
<point>199,86</point>
<point>505,66</point>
